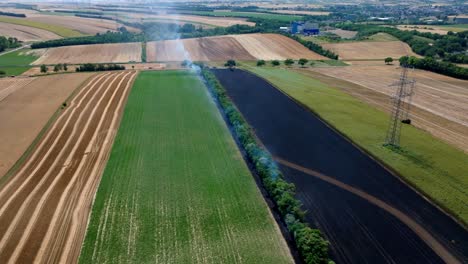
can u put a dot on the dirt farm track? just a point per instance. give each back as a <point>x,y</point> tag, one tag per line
<point>368,214</point>
<point>45,203</point>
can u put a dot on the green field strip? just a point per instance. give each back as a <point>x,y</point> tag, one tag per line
<point>432,166</point>
<point>61,31</point>
<point>15,63</point>
<point>279,17</point>
<point>175,188</point>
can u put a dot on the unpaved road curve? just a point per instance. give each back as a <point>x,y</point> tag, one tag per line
<point>45,205</point>
<point>417,228</point>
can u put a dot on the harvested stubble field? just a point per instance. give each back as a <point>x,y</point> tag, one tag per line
<point>57,29</point>
<point>87,26</point>
<point>45,202</point>
<point>344,189</point>
<point>176,189</point>
<point>97,53</point>
<point>444,97</point>
<point>203,20</point>
<point>221,48</point>
<point>365,50</point>
<point>424,29</point>
<point>25,33</point>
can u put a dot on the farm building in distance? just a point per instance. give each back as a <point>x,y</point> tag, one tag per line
<point>305,28</point>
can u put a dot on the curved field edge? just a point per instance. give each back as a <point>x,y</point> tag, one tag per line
<point>61,31</point>
<point>175,188</point>
<point>28,152</point>
<point>436,170</point>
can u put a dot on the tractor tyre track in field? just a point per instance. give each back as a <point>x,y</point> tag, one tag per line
<point>46,203</point>
<point>359,231</point>
<point>418,229</point>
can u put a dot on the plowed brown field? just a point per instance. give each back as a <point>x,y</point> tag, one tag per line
<point>25,33</point>
<point>98,53</point>
<point>370,50</point>
<point>221,48</point>
<point>44,206</point>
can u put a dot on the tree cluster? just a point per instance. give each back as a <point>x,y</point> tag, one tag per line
<point>8,43</point>
<point>91,67</point>
<point>310,242</point>
<point>431,64</point>
<point>11,14</point>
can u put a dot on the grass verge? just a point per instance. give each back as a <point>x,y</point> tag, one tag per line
<point>435,168</point>
<point>176,189</point>
<point>61,31</point>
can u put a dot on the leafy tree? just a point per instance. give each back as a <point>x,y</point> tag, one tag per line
<point>260,62</point>
<point>230,64</point>
<point>303,61</point>
<point>275,62</point>
<point>44,68</point>
<point>56,68</point>
<point>388,60</point>
<point>312,63</point>
<point>65,67</point>
<point>2,72</point>
<point>289,62</point>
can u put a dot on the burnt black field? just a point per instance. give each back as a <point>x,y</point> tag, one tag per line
<point>359,231</point>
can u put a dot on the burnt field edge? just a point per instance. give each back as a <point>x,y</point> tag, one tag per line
<point>308,243</point>
<point>4,178</point>
<point>383,164</point>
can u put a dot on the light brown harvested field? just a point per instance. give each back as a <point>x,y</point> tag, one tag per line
<point>198,49</point>
<point>275,47</point>
<point>214,21</point>
<point>97,53</point>
<point>221,48</point>
<point>442,100</point>
<point>300,12</point>
<point>11,85</point>
<point>25,33</point>
<point>89,26</point>
<point>26,110</point>
<point>45,204</point>
<point>370,50</point>
<point>424,28</point>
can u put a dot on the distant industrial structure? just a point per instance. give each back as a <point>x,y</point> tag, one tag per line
<point>305,28</point>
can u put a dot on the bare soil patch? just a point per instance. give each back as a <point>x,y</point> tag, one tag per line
<point>370,50</point>
<point>45,204</point>
<point>347,34</point>
<point>424,28</point>
<point>25,33</point>
<point>98,53</point>
<point>440,103</point>
<point>25,111</point>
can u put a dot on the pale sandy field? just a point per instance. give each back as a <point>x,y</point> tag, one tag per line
<point>370,50</point>
<point>25,33</point>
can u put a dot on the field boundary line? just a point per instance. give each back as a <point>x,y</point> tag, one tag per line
<point>380,162</point>
<point>41,134</point>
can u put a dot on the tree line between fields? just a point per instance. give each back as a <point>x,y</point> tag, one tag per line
<point>88,67</point>
<point>310,243</point>
<point>8,43</point>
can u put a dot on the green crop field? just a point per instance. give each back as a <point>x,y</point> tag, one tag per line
<point>437,169</point>
<point>15,63</point>
<point>61,31</point>
<point>176,189</point>
<point>279,17</point>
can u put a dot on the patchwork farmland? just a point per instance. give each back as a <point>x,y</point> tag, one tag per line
<point>45,201</point>
<point>176,189</point>
<point>222,48</point>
